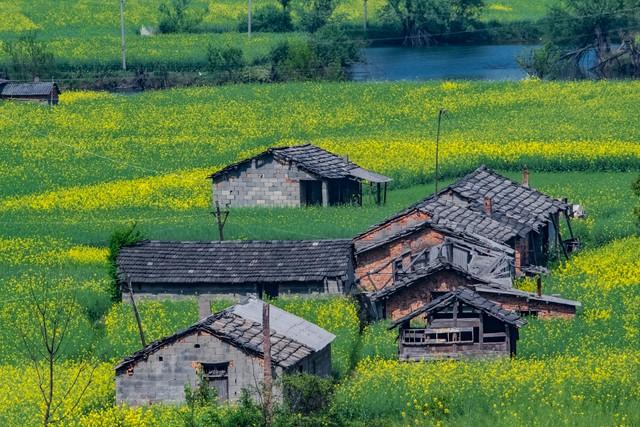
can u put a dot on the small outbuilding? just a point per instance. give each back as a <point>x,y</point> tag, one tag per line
<point>458,324</point>
<point>42,92</point>
<point>225,351</point>
<point>236,268</point>
<point>302,175</point>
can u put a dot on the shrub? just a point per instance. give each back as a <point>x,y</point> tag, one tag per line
<point>269,19</point>
<point>120,238</point>
<point>306,394</point>
<point>29,57</point>
<point>178,17</point>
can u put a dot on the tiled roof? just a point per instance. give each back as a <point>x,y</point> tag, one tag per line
<point>461,218</point>
<point>28,89</point>
<point>468,297</point>
<point>314,160</point>
<point>235,261</point>
<point>292,338</point>
<point>511,201</point>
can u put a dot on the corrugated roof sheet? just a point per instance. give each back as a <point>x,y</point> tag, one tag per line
<point>28,89</point>
<point>292,338</point>
<point>315,160</point>
<point>235,261</point>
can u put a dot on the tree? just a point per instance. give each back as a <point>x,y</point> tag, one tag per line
<point>119,238</point>
<point>422,21</point>
<point>29,57</point>
<point>315,14</point>
<point>585,31</point>
<point>44,332</point>
<point>179,17</point>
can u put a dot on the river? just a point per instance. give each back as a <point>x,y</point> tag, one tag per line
<point>469,62</point>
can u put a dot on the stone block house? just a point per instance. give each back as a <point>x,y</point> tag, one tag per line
<point>459,324</point>
<point>42,92</point>
<point>302,175</point>
<point>225,351</point>
<point>233,269</point>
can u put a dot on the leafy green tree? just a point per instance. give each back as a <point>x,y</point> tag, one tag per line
<point>585,33</point>
<point>179,17</point>
<point>29,57</point>
<point>422,22</point>
<point>120,238</point>
<point>315,14</point>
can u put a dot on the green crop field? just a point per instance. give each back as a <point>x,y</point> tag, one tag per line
<point>73,173</point>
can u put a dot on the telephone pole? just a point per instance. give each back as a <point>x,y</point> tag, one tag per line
<point>135,311</point>
<point>441,113</point>
<point>124,47</point>
<point>266,349</point>
<point>221,219</point>
<point>249,19</point>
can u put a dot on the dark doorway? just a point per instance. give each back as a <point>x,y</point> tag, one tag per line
<point>268,290</point>
<point>310,192</point>
<point>216,376</point>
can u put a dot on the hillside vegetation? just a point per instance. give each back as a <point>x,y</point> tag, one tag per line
<point>72,174</point>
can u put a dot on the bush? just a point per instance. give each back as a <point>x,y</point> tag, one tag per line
<point>306,394</point>
<point>177,17</point>
<point>226,61</point>
<point>268,19</point>
<point>120,238</point>
<point>29,57</point>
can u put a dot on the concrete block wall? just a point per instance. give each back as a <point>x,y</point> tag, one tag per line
<point>162,377</point>
<point>262,182</point>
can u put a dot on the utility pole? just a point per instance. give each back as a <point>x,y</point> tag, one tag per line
<point>366,17</point>
<point>266,349</point>
<point>221,219</point>
<point>135,311</point>
<point>249,20</point>
<point>124,47</point>
<point>441,113</point>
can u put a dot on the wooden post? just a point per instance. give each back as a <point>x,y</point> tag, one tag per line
<point>221,219</point>
<point>385,194</point>
<point>366,16</point>
<point>122,37</point>
<point>266,349</point>
<point>378,194</point>
<point>539,285</point>
<point>441,112</point>
<point>135,312</point>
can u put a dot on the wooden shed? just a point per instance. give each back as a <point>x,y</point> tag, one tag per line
<point>459,324</point>
<point>42,92</point>
<point>302,175</point>
<point>226,351</point>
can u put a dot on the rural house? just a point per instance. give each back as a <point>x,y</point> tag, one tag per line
<point>225,350</point>
<point>489,205</point>
<point>171,269</point>
<point>302,175</point>
<point>458,324</point>
<point>43,92</point>
<point>399,271</point>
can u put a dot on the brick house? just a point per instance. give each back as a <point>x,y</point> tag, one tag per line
<point>302,175</point>
<point>225,351</point>
<point>233,269</point>
<point>489,205</point>
<point>459,324</point>
<point>42,92</point>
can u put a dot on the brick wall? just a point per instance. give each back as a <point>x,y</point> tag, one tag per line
<point>377,261</point>
<point>261,182</point>
<point>412,298</point>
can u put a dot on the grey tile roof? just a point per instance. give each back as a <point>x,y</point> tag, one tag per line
<point>314,160</point>
<point>235,261</point>
<point>491,290</point>
<point>28,89</point>
<point>512,202</point>
<point>471,298</point>
<point>289,344</point>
